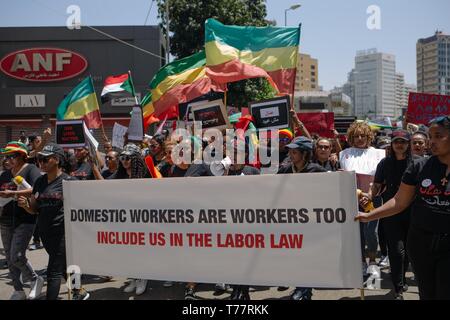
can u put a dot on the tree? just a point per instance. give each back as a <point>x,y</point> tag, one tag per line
<point>187,27</point>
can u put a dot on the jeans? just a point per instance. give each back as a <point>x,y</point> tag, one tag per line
<point>369,236</point>
<point>15,242</point>
<point>54,243</point>
<point>430,257</point>
<point>396,232</point>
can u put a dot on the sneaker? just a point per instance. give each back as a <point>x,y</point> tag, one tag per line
<point>373,271</point>
<point>141,286</point>
<point>398,296</point>
<point>81,294</point>
<point>405,287</point>
<point>301,294</point>
<point>36,288</point>
<point>220,288</point>
<point>35,246</point>
<point>384,262</point>
<point>18,295</point>
<point>167,284</point>
<point>189,294</point>
<point>131,286</point>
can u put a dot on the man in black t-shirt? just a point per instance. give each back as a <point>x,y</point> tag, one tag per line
<point>83,169</point>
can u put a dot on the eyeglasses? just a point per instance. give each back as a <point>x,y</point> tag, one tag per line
<point>43,159</point>
<point>439,120</point>
<point>125,158</point>
<point>323,147</point>
<point>284,140</point>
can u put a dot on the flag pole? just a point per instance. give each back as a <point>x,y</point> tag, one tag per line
<point>291,121</point>
<point>132,87</point>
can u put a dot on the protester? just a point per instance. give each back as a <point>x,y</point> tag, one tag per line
<point>16,224</point>
<point>322,155</point>
<point>112,163</point>
<point>83,169</point>
<point>300,153</point>
<point>285,137</point>
<point>156,147</point>
<point>425,186</point>
<point>386,183</point>
<point>46,200</point>
<point>419,144</point>
<point>362,159</point>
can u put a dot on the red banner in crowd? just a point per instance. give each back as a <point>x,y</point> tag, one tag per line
<point>321,123</point>
<point>422,107</point>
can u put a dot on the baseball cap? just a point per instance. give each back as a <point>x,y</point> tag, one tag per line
<point>400,134</point>
<point>383,142</point>
<point>51,149</point>
<point>131,150</point>
<point>301,143</point>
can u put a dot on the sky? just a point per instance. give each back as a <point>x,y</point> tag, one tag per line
<point>332,30</point>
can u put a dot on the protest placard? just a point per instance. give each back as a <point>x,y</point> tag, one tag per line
<point>136,126</point>
<point>70,133</point>
<point>423,107</point>
<point>212,114</point>
<point>271,114</point>
<point>118,134</point>
<point>285,238</point>
<point>321,123</point>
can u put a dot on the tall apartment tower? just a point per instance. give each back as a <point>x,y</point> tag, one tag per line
<point>433,64</point>
<point>307,77</point>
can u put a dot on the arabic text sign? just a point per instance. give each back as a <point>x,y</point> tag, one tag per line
<point>423,107</point>
<point>279,239</point>
<point>321,123</point>
<point>70,134</point>
<point>271,114</point>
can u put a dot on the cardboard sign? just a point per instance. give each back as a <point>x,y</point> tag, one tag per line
<point>423,107</point>
<point>118,138</point>
<point>211,114</point>
<point>271,114</point>
<point>321,123</point>
<point>70,134</point>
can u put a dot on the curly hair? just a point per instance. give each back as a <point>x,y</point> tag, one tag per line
<point>362,128</point>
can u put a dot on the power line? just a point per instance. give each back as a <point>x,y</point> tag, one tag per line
<point>105,33</point>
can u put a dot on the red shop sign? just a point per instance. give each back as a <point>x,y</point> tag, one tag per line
<point>43,64</point>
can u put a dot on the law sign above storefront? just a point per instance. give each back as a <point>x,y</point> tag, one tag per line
<point>43,64</point>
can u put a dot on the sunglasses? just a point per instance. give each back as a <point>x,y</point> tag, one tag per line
<point>44,159</point>
<point>11,156</point>
<point>420,143</point>
<point>285,140</point>
<point>439,120</point>
<point>125,158</point>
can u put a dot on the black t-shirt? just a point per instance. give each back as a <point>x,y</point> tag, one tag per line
<point>173,171</point>
<point>107,173</point>
<point>12,214</point>
<point>389,173</point>
<point>310,168</point>
<point>327,165</point>
<point>50,202</point>
<point>246,171</point>
<point>83,172</point>
<point>199,170</point>
<point>431,207</point>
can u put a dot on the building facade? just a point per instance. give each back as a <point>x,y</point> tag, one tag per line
<point>307,77</point>
<point>433,64</point>
<point>374,80</point>
<point>40,65</point>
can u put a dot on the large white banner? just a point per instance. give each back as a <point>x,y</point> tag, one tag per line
<point>274,230</point>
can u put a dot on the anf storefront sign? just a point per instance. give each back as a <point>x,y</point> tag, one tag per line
<point>292,236</point>
<point>43,64</point>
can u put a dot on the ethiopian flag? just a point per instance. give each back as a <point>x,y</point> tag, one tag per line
<point>151,116</point>
<point>235,53</point>
<point>181,81</point>
<point>81,103</point>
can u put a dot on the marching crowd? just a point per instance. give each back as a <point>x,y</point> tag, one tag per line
<point>410,191</point>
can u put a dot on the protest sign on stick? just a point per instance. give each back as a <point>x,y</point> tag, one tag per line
<point>423,107</point>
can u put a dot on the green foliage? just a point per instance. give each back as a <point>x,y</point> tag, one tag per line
<point>187,18</point>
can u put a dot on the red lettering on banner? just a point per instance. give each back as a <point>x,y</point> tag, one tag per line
<point>423,107</point>
<point>240,241</point>
<point>121,238</point>
<point>286,241</point>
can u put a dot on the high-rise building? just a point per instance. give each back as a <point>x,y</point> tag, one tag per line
<point>374,85</point>
<point>307,77</point>
<point>433,64</point>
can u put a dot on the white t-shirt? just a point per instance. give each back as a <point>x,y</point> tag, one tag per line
<point>362,161</point>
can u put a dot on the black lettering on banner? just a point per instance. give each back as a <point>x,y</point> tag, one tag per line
<point>341,215</point>
<point>318,211</point>
<point>328,215</point>
<point>303,213</point>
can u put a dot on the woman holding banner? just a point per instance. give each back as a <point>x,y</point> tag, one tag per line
<point>425,186</point>
<point>46,200</point>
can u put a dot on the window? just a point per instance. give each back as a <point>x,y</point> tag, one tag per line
<point>314,67</point>
<point>313,73</point>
